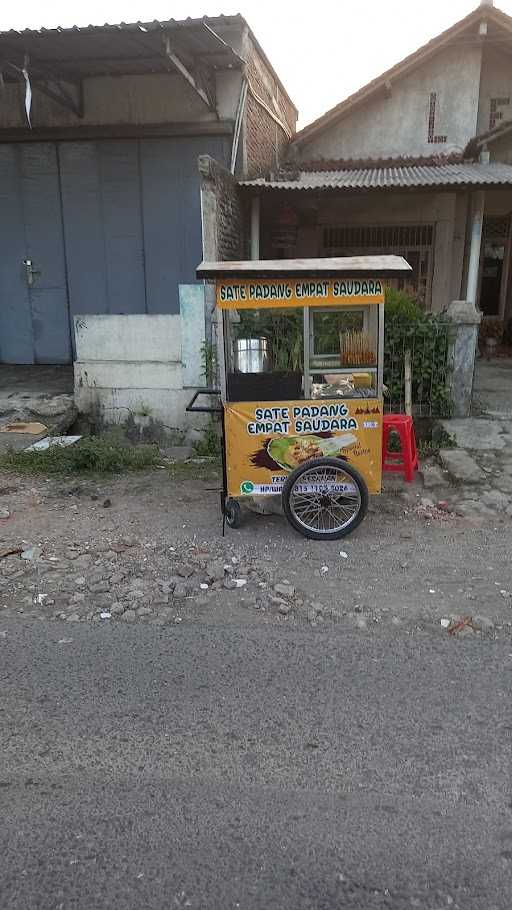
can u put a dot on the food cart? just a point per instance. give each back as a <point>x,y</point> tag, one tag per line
<point>301,346</point>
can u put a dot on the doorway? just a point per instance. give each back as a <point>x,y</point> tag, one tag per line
<point>34,309</point>
<point>494,265</point>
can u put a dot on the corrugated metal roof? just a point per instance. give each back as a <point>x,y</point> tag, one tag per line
<point>385,266</point>
<point>135,47</point>
<point>236,19</point>
<point>445,175</point>
<point>138,44</point>
<point>367,162</point>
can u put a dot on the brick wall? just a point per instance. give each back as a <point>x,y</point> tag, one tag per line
<point>224,214</point>
<point>225,232</point>
<point>265,140</point>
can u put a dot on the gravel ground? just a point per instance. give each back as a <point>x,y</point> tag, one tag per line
<point>148,548</point>
<point>257,722</point>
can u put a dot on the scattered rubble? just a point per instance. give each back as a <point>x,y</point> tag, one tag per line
<point>473,508</point>
<point>462,624</point>
<point>49,441</point>
<point>430,511</point>
<point>433,476</point>
<point>178,453</point>
<point>24,416</point>
<point>476,477</point>
<point>496,500</point>
<point>285,608</point>
<point>65,557</point>
<point>157,584</point>
<point>11,551</point>
<point>285,589</point>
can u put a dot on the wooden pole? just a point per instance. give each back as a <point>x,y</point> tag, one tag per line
<point>408,383</point>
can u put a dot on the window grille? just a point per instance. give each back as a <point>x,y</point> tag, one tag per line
<point>496,227</point>
<point>412,241</point>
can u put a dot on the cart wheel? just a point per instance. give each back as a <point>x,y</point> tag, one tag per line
<point>233,513</point>
<point>325,498</point>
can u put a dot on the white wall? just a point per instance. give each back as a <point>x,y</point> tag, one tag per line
<point>398,124</point>
<point>125,364</point>
<point>496,82</point>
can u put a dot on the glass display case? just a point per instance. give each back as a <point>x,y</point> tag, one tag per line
<point>343,352</point>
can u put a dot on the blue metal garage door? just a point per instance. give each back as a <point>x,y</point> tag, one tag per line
<point>110,227</point>
<point>172,215</point>
<point>102,211</point>
<point>34,318</point>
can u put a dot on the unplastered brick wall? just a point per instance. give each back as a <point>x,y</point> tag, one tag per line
<point>269,125</point>
<point>224,216</point>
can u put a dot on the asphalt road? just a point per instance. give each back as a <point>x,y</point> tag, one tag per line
<point>253,768</point>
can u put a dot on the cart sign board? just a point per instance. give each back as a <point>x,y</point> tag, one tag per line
<point>266,441</point>
<point>276,293</point>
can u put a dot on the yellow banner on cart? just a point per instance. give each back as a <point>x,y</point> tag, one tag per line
<point>266,441</point>
<point>276,293</point>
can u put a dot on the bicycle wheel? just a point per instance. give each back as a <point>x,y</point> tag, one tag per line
<point>233,513</point>
<point>325,498</point>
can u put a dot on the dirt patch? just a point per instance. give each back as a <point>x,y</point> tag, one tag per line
<point>149,548</point>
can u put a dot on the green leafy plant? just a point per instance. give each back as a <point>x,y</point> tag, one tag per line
<point>402,306</point>
<point>93,454</point>
<point>143,410</point>
<point>427,336</point>
<point>209,362</point>
<point>441,439</point>
<point>209,445</point>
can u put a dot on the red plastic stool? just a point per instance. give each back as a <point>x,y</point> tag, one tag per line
<point>406,460</point>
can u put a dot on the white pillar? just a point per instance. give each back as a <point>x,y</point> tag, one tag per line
<point>255,227</point>
<point>477,217</point>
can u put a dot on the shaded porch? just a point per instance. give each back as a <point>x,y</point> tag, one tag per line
<point>451,221</point>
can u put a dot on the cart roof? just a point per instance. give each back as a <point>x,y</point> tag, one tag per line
<point>343,266</point>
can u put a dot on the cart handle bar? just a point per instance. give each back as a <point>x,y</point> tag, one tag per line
<point>202,409</point>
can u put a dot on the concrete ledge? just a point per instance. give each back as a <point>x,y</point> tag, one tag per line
<point>477,433</point>
<point>461,466</point>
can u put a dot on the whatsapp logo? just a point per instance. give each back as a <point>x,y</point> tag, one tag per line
<point>247,486</point>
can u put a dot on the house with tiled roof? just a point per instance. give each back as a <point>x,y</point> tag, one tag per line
<point>417,162</point>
